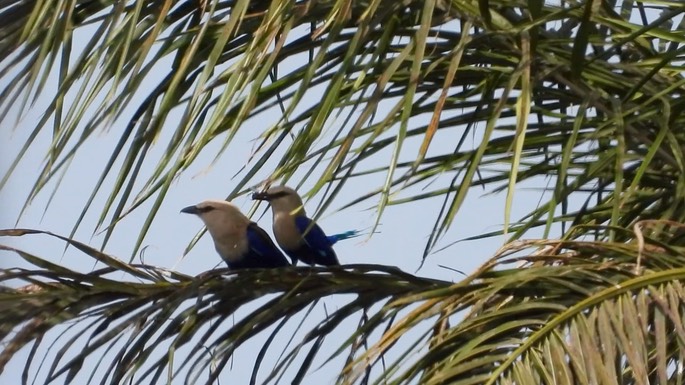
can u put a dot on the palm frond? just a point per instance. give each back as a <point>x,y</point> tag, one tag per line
<point>154,307</point>
<point>595,92</point>
<point>579,312</point>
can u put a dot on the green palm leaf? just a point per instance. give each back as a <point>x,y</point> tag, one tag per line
<point>225,71</point>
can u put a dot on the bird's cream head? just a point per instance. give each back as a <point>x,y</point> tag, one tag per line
<point>222,219</point>
<point>283,199</point>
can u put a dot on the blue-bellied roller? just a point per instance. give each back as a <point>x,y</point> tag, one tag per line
<point>240,242</point>
<point>299,236</point>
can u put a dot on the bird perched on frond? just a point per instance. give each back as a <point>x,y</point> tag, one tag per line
<point>299,236</point>
<point>240,242</point>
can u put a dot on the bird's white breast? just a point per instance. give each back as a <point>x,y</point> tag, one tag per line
<point>286,233</point>
<point>231,248</point>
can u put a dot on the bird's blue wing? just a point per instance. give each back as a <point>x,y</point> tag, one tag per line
<point>314,237</point>
<point>263,249</point>
<point>316,248</point>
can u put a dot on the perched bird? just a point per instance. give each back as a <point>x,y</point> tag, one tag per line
<point>300,237</point>
<point>240,242</point>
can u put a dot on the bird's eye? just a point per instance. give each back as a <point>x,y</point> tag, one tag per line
<point>205,209</point>
<point>279,194</point>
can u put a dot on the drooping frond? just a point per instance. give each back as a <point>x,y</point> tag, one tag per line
<point>156,308</point>
<point>567,312</point>
<point>571,312</point>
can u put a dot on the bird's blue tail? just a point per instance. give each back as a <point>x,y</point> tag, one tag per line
<point>346,235</point>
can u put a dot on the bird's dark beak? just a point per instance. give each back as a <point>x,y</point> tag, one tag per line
<point>260,196</point>
<point>190,210</point>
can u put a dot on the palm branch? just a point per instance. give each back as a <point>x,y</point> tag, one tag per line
<point>570,312</point>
